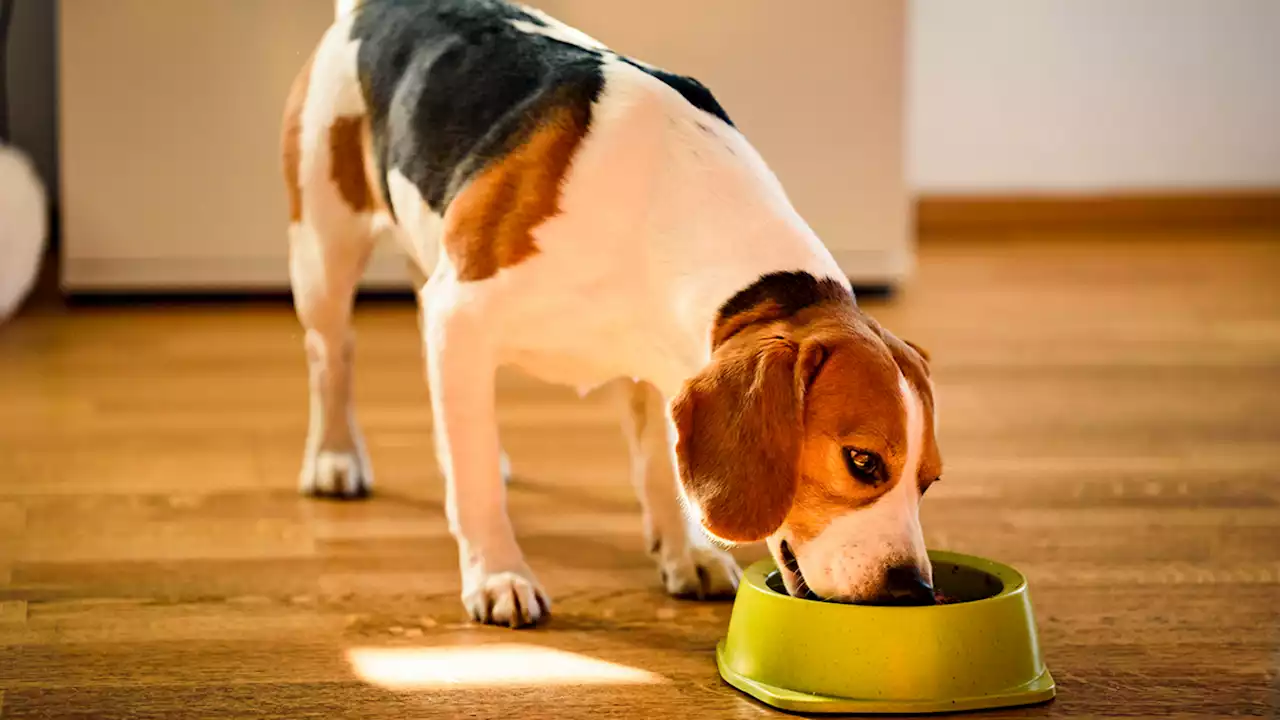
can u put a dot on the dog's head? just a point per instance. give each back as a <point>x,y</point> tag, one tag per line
<point>813,428</point>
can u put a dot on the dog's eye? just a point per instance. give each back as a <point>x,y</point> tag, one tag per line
<point>864,466</point>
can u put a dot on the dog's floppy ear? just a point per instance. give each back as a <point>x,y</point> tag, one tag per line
<point>739,426</point>
<point>905,353</point>
<point>911,358</point>
<point>922,352</point>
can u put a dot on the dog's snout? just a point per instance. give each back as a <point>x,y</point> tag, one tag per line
<point>905,585</point>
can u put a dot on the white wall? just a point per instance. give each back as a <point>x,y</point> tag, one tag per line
<point>1093,95</point>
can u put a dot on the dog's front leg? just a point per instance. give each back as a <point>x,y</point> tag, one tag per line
<point>497,585</point>
<point>690,566</point>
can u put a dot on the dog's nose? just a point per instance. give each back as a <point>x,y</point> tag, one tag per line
<point>906,586</point>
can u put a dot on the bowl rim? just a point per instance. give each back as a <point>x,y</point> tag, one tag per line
<point>1015,583</point>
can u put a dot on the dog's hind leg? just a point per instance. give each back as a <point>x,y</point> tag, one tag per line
<point>690,566</point>
<point>334,222</point>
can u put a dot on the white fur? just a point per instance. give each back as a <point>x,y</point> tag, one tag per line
<point>557,30</point>
<point>23,228</point>
<point>849,559</point>
<point>421,225</point>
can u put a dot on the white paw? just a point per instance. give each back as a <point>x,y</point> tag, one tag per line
<point>513,599</point>
<point>334,474</point>
<point>700,572</point>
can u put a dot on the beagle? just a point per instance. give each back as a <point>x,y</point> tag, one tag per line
<point>598,222</point>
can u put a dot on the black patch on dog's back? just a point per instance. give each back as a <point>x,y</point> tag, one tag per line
<point>452,85</point>
<point>693,91</point>
<point>790,292</point>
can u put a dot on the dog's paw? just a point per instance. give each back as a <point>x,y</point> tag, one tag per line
<point>333,474</point>
<point>704,573</point>
<point>513,599</point>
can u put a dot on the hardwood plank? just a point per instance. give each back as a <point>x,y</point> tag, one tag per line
<point>13,612</point>
<point>1110,425</point>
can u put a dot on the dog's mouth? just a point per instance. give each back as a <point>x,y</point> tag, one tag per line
<point>790,568</point>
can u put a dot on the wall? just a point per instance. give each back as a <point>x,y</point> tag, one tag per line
<point>171,150</point>
<point>33,85</point>
<point>1004,94</point>
<point>1071,95</point>
<point>820,92</point>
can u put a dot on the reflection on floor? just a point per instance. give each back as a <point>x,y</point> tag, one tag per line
<point>436,668</point>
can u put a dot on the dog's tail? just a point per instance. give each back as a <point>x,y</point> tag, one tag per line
<point>342,7</point>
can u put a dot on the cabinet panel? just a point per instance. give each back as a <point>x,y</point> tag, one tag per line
<point>170,115</point>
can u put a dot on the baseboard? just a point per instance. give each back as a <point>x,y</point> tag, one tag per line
<point>876,270</point>
<point>172,276</point>
<point>961,214</point>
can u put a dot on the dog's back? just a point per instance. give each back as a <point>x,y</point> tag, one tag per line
<point>464,126</point>
<point>439,89</point>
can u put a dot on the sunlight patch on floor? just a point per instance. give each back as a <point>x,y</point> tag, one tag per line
<point>488,666</point>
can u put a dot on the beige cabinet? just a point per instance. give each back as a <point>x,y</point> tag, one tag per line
<point>170,123</point>
<point>170,115</point>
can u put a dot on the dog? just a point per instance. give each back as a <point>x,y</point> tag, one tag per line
<point>599,222</point>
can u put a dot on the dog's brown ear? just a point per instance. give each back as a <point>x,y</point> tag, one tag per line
<point>739,426</point>
<point>923,353</point>
<point>912,358</point>
<point>897,345</point>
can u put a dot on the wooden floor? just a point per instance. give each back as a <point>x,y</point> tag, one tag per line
<point>1110,423</point>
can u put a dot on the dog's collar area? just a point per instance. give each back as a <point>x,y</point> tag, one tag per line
<point>791,565</point>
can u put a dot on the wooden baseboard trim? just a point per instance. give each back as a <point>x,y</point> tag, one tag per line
<point>952,214</point>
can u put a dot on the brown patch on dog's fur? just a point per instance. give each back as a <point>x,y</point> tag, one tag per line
<point>372,167</point>
<point>347,143</point>
<point>489,225</point>
<point>291,140</point>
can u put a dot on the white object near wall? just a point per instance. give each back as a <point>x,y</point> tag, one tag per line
<point>24,215</point>
<point>170,114</point>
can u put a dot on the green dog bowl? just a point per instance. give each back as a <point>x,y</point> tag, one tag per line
<point>809,656</point>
